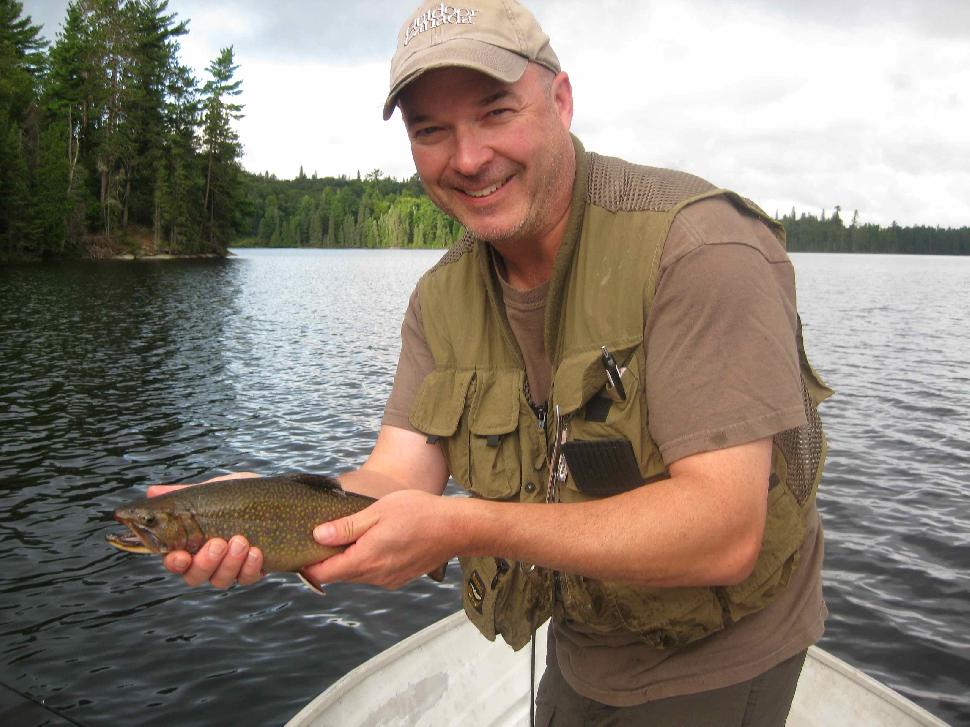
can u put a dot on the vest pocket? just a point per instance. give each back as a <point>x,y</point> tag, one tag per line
<point>582,375</point>
<point>495,463</point>
<point>476,415</point>
<point>505,598</point>
<point>437,411</point>
<point>662,618</point>
<point>608,449</point>
<point>784,532</point>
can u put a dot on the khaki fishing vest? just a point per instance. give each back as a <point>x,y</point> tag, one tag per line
<point>498,443</point>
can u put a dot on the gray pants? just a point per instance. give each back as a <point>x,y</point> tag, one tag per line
<point>762,702</point>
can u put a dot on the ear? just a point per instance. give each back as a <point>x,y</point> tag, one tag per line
<point>562,96</point>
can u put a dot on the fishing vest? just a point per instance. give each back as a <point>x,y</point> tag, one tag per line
<point>499,444</point>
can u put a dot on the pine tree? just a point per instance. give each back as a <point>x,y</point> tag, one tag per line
<point>21,65</point>
<point>222,148</point>
<point>16,210</point>
<point>154,70</point>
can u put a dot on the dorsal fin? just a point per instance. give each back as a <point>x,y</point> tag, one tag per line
<point>321,482</point>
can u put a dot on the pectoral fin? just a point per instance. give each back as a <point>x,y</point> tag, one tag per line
<point>311,585</point>
<point>438,574</point>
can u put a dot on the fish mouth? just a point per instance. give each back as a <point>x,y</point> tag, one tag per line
<point>136,540</point>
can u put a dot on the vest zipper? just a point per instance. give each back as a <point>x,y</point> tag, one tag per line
<point>538,409</point>
<point>540,412</point>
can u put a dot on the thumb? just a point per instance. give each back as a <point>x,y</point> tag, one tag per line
<point>343,531</point>
<point>156,490</point>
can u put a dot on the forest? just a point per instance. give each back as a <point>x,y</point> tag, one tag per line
<point>109,145</point>
<point>375,211</point>
<point>108,142</point>
<point>807,233</point>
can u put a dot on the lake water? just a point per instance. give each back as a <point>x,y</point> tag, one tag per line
<point>115,375</point>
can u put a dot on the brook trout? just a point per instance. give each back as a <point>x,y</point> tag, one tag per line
<point>275,514</point>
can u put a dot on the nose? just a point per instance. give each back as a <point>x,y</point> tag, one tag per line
<point>471,151</point>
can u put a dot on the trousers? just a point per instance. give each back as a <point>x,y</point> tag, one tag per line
<point>761,702</point>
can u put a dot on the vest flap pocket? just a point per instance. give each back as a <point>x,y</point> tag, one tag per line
<point>581,375</point>
<point>784,532</point>
<point>440,401</point>
<point>495,409</point>
<point>495,462</point>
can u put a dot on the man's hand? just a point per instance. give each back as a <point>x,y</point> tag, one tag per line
<point>403,535</point>
<point>220,563</point>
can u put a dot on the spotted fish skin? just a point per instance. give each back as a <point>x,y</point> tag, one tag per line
<point>276,514</point>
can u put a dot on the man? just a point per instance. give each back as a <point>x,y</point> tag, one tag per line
<point>610,360</point>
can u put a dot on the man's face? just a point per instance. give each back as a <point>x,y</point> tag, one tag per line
<point>494,155</point>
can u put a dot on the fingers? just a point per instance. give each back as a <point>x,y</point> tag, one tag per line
<point>336,569</point>
<point>220,563</point>
<point>345,530</point>
<point>231,564</point>
<point>252,568</point>
<point>234,476</point>
<point>177,562</point>
<point>347,567</point>
<point>156,490</point>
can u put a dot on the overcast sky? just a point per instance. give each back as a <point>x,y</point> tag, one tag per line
<point>858,103</point>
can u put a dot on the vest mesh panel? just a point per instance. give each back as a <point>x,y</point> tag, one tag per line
<point>465,243</point>
<point>620,186</point>
<point>802,449</point>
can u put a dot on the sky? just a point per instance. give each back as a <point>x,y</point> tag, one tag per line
<point>791,103</point>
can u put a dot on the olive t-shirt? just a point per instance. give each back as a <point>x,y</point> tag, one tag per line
<point>722,370</point>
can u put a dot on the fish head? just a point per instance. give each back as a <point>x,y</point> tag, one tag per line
<point>150,530</point>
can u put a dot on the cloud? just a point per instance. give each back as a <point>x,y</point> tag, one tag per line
<point>326,119</point>
<point>784,108</point>
<point>851,102</point>
<point>298,31</point>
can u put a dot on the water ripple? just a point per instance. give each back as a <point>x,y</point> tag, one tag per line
<point>118,375</point>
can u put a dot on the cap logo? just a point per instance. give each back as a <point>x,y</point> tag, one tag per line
<point>444,14</point>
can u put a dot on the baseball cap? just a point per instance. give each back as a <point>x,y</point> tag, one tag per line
<point>497,37</point>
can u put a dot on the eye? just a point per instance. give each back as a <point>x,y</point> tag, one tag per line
<point>150,520</point>
<point>425,132</point>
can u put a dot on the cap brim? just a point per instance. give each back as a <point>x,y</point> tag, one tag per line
<point>486,58</point>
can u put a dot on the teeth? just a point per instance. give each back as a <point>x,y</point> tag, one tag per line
<point>484,192</point>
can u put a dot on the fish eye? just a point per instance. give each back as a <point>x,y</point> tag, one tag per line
<point>151,519</point>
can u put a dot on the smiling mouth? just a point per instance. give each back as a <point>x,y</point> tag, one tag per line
<point>480,193</point>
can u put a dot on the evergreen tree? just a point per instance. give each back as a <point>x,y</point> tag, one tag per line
<point>16,210</point>
<point>21,61</point>
<point>222,148</point>
<point>155,69</point>
<point>21,65</point>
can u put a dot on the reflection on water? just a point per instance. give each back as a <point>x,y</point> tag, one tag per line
<point>117,375</point>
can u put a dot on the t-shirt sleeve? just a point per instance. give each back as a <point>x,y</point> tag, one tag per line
<point>722,361</point>
<point>414,363</point>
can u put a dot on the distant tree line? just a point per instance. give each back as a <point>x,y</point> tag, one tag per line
<point>108,142</point>
<point>807,233</point>
<point>375,211</point>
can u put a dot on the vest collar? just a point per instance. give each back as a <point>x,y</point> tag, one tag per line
<point>566,253</point>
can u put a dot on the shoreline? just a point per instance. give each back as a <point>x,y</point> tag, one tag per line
<point>131,257</point>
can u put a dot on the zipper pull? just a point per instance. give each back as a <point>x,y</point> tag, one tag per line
<point>557,463</point>
<point>561,471</point>
<point>541,415</point>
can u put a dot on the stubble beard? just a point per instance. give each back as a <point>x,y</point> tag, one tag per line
<point>542,197</point>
